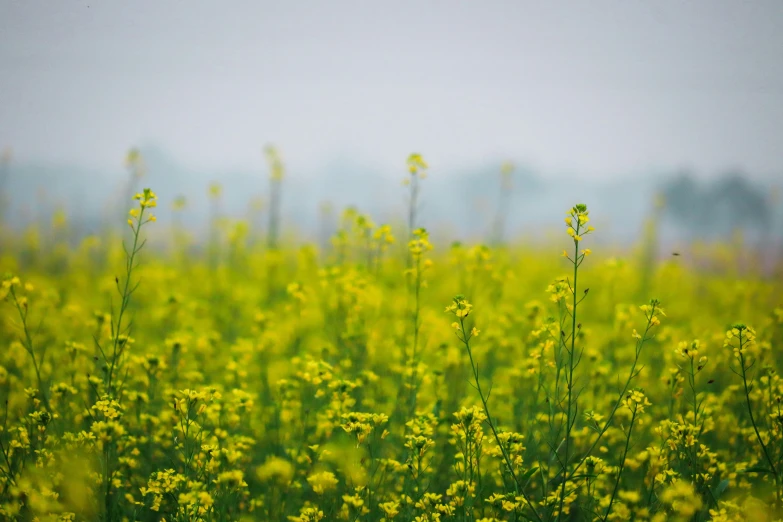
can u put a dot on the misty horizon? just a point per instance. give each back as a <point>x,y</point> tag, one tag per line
<point>459,205</point>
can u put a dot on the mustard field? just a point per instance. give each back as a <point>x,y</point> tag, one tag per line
<point>388,376</point>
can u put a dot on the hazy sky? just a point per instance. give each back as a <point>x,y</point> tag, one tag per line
<point>599,87</point>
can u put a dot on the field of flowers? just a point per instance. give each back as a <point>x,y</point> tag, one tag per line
<point>384,378</point>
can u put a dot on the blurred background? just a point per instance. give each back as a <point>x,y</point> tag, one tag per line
<point>671,109</point>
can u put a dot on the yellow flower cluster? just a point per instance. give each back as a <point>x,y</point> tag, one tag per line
<point>576,223</point>
<point>417,165</point>
<point>147,199</point>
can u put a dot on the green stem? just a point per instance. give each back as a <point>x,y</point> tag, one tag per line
<point>570,377</point>
<point>413,362</point>
<point>126,293</point>
<point>519,488</point>
<point>28,345</point>
<point>753,422</point>
<point>622,465</point>
<point>617,403</point>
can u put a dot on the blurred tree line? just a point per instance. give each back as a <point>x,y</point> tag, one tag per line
<point>717,208</point>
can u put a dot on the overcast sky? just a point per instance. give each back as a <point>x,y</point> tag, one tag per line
<point>601,87</point>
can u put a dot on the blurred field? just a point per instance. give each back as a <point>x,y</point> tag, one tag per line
<point>251,377</point>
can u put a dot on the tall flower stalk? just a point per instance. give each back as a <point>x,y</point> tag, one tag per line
<point>503,202</point>
<point>120,326</point>
<point>417,170</point>
<point>9,290</point>
<point>461,309</point>
<point>418,246</point>
<point>741,338</point>
<point>276,175</point>
<point>576,226</point>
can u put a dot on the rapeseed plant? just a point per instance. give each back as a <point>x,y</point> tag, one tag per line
<point>266,381</point>
<point>276,175</point>
<point>417,168</point>
<point>503,201</point>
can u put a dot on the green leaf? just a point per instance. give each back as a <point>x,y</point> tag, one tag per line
<point>584,475</point>
<point>526,476</point>
<point>757,469</point>
<point>721,488</point>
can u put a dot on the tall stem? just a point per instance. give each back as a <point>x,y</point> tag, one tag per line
<point>126,293</point>
<point>413,362</point>
<point>570,377</point>
<point>519,488</point>
<point>639,344</point>
<point>274,213</point>
<point>28,345</point>
<point>764,449</point>
<point>622,465</point>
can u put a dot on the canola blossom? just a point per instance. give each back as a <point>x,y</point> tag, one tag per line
<point>382,376</point>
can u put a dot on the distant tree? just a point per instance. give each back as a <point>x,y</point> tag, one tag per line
<point>717,208</point>
<point>736,203</point>
<point>683,201</point>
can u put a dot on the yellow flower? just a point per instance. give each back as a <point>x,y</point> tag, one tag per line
<point>460,307</point>
<point>390,509</point>
<point>322,482</point>
<point>416,162</point>
<point>277,469</point>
